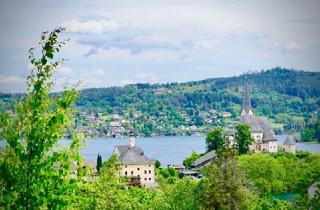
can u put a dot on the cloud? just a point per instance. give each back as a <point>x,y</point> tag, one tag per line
<point>134,45</point>
<point>12,83</point>
<point>142,78</point>
<point>93,25</point>
<point>91,52</point>
<point>100,32</point>
<point>206,43</point>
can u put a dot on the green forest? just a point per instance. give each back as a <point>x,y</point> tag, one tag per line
<point>289,98</point>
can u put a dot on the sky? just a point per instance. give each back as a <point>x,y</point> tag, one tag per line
<point>114,43</point>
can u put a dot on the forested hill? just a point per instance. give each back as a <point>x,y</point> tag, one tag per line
<point>273,91</point>
<point>286,96</point>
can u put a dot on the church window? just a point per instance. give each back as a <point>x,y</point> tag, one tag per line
<point>126,173</point>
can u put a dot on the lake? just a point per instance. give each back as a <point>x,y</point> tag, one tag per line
<point>166,149</point>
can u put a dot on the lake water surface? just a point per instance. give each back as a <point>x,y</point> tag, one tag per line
<point>165,149</point>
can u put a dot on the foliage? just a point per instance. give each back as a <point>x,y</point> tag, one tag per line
<point>34,173</point>
<point>189,160</point>
<point>267,203</point>
<point>307,134</point>
<point>243,138</point>
<point>157,164</point>
<point>99,163</point>
<point>282,172</point>
<point>215,139</point>
<point>224,186</point>
<point>180,195</point>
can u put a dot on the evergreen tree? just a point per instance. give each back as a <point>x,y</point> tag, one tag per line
<point>157,164</point>
<point>34,174</point>
<point>243,138</point>
<point>99,162</point>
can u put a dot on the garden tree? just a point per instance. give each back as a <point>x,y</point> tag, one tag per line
<point>215,139</point>
<point>180,195</point>
<point>105,190</point>
<point>189,160</point>
<point>99,162</point>
<point>265,172</point>
<point>34,173</point>
<point>243,138</point>
<point>224,185</point>
<point>307,134</point>
<point>281,172</point>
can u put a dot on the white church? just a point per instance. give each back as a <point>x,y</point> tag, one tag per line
<point>261,130</point>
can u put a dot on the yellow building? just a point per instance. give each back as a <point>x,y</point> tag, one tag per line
<point>135,164</point>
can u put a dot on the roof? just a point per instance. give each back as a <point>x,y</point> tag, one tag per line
<point>204,158</point>
<point>131,155</point>
<point>189,172</point>
<point>253,122</point>
<point>289,141</point>
<point>246,100</point>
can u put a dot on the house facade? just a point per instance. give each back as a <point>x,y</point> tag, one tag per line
<point>135,164</point>
<point>261,130</point>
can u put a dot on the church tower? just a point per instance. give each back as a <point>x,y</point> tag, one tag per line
<point>131,139</point>
<point>247,108</point>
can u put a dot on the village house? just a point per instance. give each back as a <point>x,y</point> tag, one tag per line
<point>289,145</point>
<point>261,130</point>
<point>135,164</point>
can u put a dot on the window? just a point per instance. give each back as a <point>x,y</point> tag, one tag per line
<point>138,169</point>
<point>145,179</point>
<point>145,171</point>
<point>138,175</point>
<point>125,166</point>
<point>126,173</point>
<point>149,171</point>
<point>131,172</point>
<point>149,178</point>
<point>149,165</point>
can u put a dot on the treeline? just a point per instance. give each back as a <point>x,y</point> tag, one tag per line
<point>288,97</point>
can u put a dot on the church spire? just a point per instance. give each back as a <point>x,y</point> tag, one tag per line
<point>247,108</point>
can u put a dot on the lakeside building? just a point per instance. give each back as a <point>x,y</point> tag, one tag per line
<point>135,164</point>
<point>289,145</point>
<point>204,160</point>
<point>261,130</point>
